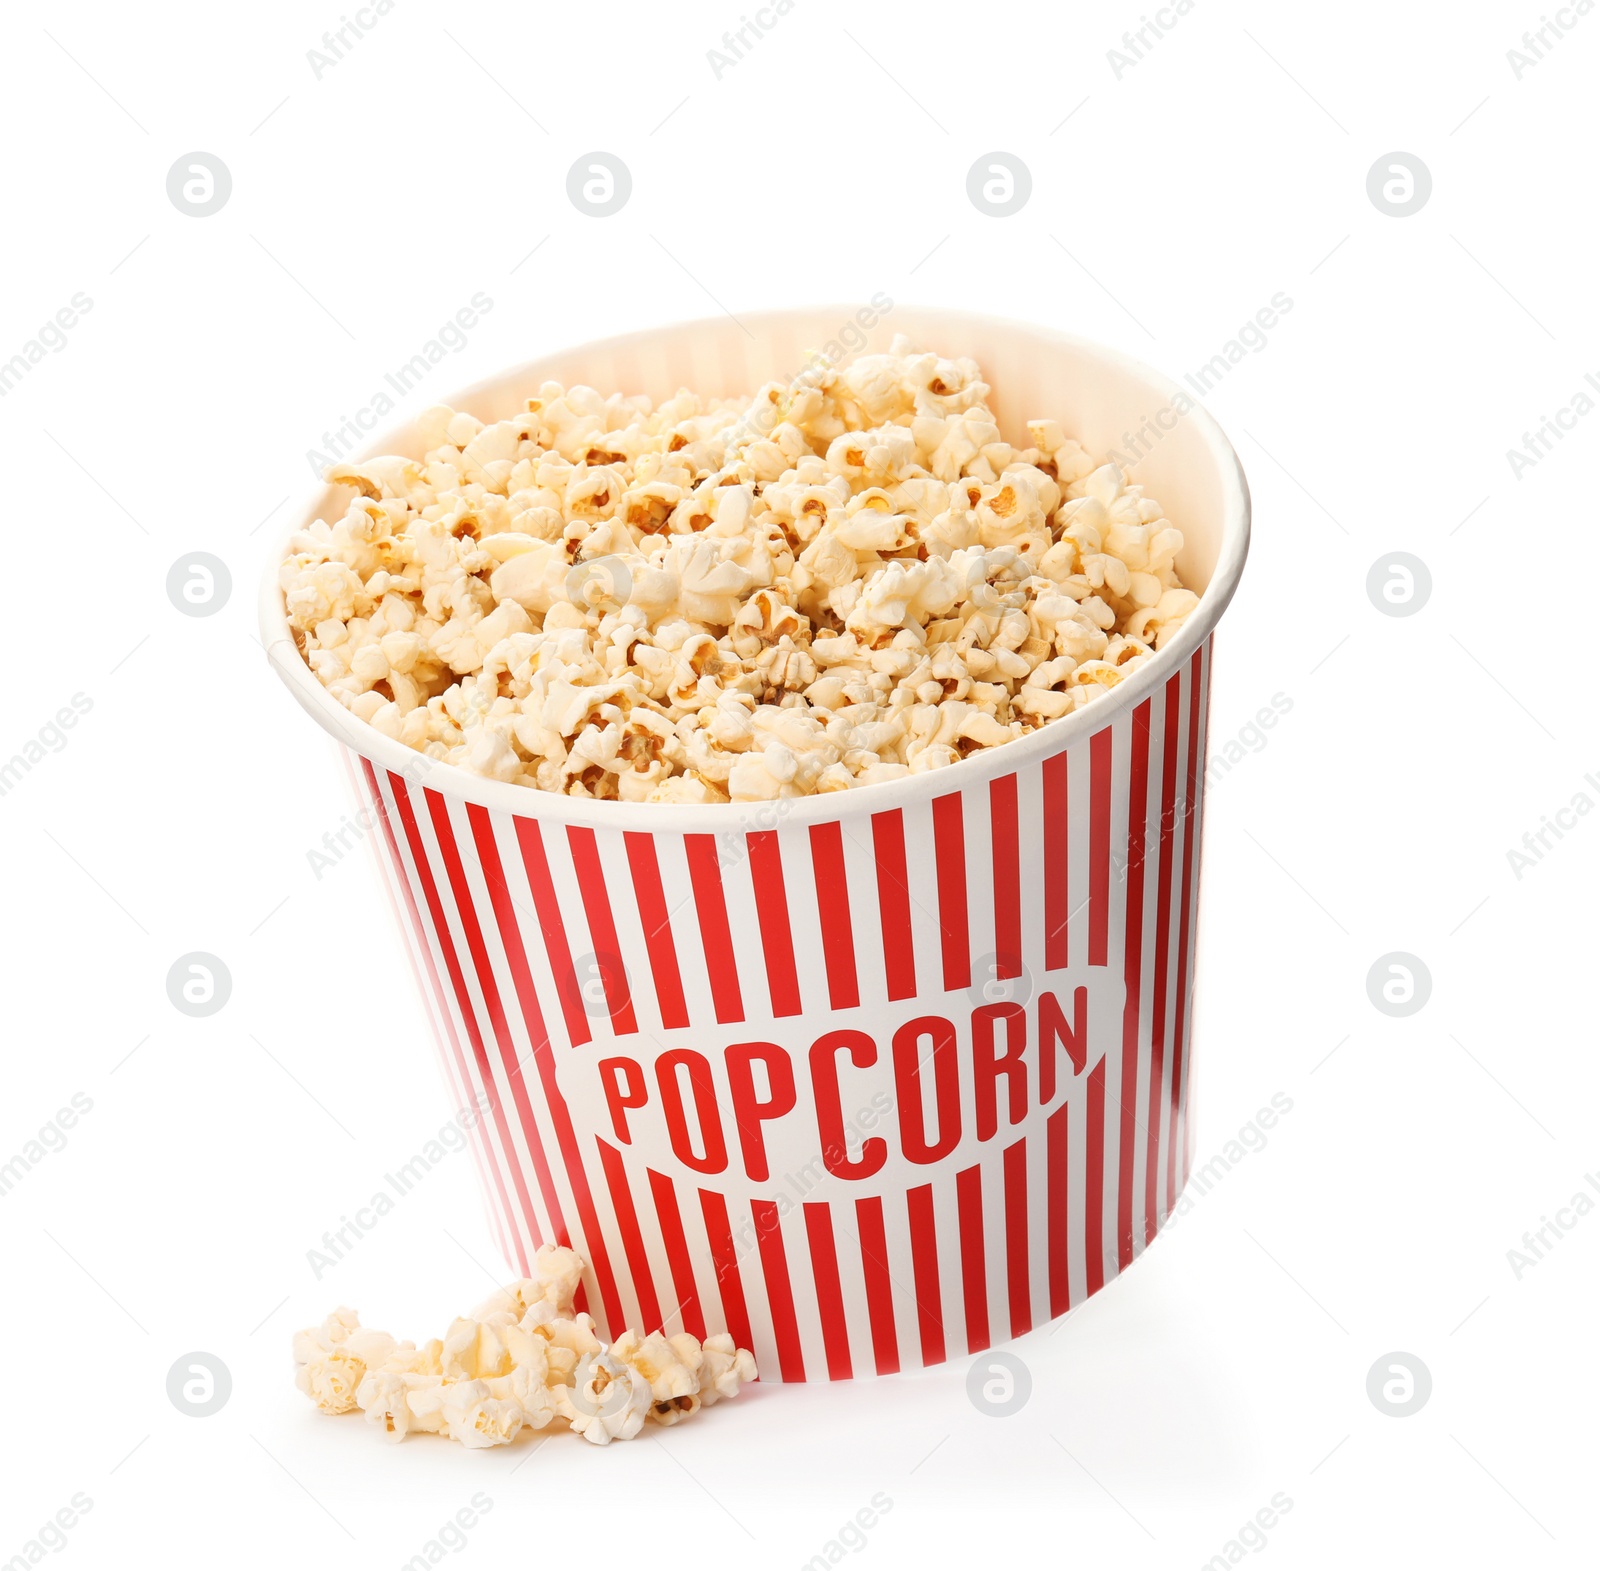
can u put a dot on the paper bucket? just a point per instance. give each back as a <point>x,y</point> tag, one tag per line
<point>873,1079</point>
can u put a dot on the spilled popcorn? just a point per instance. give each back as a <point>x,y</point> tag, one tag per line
<point>847,578</point>
<point>521,1360</point>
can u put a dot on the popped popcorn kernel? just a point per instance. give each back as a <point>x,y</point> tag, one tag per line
<point>838,581</point>
<point>521,1360</point>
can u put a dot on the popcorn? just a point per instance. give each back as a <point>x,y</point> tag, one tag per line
<point>384,1398</point>
<point>833,583</point>
<point>659,1362</point>
<point>331,1380</point>
<point>331,1359</point>
<point>724,1368</point>
<point>607,1402</point>
<point>548,1293</point>
<point>521,1360</point>
<point>473,1351</point>
<point>477,1418</point>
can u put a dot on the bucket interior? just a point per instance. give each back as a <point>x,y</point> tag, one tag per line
<point>1112,405</point>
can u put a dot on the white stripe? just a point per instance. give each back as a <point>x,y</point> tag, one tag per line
<point>516,1227</point>
<point>853,1285</point>
<point>1077,1186</point>
<point>1031,884</point>
<point>1150,871</point>
<point>744,928</point>
<point>805,922</point>
<point>866,911</point>
<point>633,949</point>
<point>518,1041</point>
<point>389,877</point>
<point>747,1252</point>
<point>683,915</point>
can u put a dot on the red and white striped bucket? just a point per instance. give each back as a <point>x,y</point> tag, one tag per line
<point>871,1079</point>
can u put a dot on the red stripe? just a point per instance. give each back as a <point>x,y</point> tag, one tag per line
<point>772,912</point>
<point>1200,787</point>
<point>880,1290</point>
<point>925,1272</point>
<point>950,859</point>
<point>627,1219</point>
<point>1056,1213</point>
<point>544,1060</point>
<point>485,1156</point>
<point>730,1289</point>
<point>683,1284</point>
<point>391,872</point>
<point>1133,974</point>
<point>553,929</point>
<point>458,984</point>
<point>712,907</point>
<point>1056,889</point>
<point>1099,845</point>
<point>974,1289</point>
<point>1016,1171</point>
<point>1156,1120</point>
<point>1194,785</point>
<point>894,903</point>
<point>602,928</point>
<point>780,1295</point>
<point>830,1299</point>
<point>467,915</point>
<point>833,913</point>
<point>1094,1183</point>
<point>1007,876</point>
<point>657,924</point>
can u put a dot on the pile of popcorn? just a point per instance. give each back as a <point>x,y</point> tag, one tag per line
<point>848,578</point>
<point>520,1360</point>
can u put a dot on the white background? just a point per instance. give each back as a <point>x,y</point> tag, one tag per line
<point>1227,165</point>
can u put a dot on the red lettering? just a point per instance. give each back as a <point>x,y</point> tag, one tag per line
<point>761,1088</point>
<point>863,1053</point>
<point>623,1081</point>
<point>1054,1032</point>
<point>987,1066</point>
<point>908,1087</point>
<point>715,1159</point>
<point>749,1110</point>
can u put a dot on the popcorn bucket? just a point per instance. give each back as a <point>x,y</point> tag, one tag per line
<point>872,1079</point>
